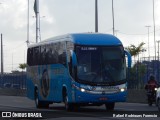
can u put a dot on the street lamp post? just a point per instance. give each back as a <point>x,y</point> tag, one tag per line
<point>28,25</point>
<point>96,16</point>
<point>158,59</point>
<point>2,55</point>
<point>148,43</point>
<point>113,17</point>
<point>158,48</point>
<point>154,30</point>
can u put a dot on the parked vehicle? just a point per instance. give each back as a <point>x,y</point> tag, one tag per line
<point>16,86</point>
<point>7,85</point>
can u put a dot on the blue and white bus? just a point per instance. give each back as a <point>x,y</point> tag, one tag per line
<point>77,69</point>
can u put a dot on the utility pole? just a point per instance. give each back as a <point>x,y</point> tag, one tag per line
<point>148,43</point>
<point>12,61</point>
<point>113,17</point>
<point>154,30</point>
<point>158,48</point>
<point>36,9</point>
<point>158,59</point>
<point>28,25</point>
<point>96,16</point>
<point>1,55</point>
<point>37,21</point>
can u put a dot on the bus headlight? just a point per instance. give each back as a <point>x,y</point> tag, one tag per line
<point>82,90</point>
<point>122,89</point>
<point>155,89</point>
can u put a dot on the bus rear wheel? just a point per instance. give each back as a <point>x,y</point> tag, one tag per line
<point>110,106</point>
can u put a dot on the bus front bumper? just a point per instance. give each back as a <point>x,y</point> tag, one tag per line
<point>84,97</point>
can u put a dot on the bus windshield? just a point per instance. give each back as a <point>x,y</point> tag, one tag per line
<point>100,65</point>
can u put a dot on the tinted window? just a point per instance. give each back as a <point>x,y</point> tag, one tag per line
<point>47,54</point>
<point>43,55</point>
<point>36,52</point>
<point>30,56</point>
<point>61,53</point>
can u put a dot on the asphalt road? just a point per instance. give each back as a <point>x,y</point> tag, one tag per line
<point>123,111</point>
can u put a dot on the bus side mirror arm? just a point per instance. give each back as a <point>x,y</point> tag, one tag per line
<point>129,58</point>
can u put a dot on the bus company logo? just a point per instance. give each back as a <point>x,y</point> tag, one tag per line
<point>6,114</point>
<point>93,88</point>
<point>45,83</point>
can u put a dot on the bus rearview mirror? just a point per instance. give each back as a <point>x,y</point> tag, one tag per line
<point>129,58</point>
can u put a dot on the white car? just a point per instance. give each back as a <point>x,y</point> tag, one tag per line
<point>158,98</point>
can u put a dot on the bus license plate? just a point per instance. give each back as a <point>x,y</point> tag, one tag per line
<point>103,98</point>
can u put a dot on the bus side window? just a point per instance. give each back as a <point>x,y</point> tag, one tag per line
<point>69,58</point>
<point>62,53</point>
<point>62,58</point>
<point>70,66</point>
<point>50,54</point>
<point>55,53</point>
<point>47,55</point>
<point>30,57</point>
<point>43,55</point>
<point>36,55</point>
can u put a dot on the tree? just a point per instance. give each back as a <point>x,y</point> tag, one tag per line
<point>138,70</point>
<point>134,51</point>
<point>22,66</point>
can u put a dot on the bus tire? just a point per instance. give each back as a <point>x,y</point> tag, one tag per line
<point>36,98</point>
<point>110,106</point>
<point>76,107</point>
<point>158,104</point>
<point>68,106</point>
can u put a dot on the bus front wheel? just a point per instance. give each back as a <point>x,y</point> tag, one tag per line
<point>110,106</point>
<point>40,104</point>
<point>37,102</point>
<point>68,106</point>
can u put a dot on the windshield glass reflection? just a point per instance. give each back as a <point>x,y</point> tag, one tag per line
<point>100,64</point>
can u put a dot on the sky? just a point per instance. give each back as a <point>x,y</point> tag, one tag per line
<point>58,17</point>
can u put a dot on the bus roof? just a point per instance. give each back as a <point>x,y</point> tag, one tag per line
<point>83,39</point>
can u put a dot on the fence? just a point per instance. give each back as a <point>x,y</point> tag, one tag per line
<point>16,81</point>
<point>140,72</point>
